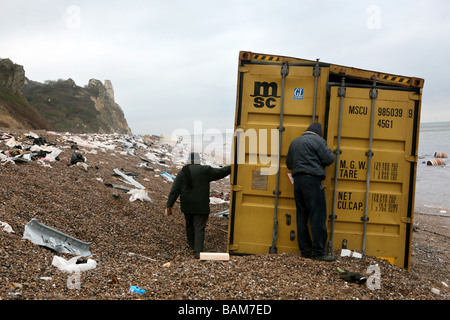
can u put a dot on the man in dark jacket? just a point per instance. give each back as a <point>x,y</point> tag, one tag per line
<point>307,157</point>
<point>192,185</point>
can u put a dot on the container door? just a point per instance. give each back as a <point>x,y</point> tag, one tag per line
<point>371,194</point>
<point>272,110</point>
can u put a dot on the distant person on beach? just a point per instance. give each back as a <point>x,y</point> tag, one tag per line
<point>307,157</point>
<point>192,185</point>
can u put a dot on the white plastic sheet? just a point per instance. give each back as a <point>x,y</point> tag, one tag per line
<point>138,194</point>
<point>71,265</point>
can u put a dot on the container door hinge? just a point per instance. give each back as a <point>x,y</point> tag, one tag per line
<point>236,188</point>
<point>414,96</point>
<point>411,158</point>
<point>244,69</point>
<point>406,219</point>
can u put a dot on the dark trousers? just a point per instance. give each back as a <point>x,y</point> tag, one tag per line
<point>195,230</point>
<point>311,206</point>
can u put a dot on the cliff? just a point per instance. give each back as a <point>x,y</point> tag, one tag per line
<point>59,105</point>
<point>69,107</point>
<point>15,111</point>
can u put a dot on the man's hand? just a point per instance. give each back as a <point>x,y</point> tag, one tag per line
<point>168,211</point>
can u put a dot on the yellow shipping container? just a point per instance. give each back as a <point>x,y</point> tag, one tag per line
<point>371,122</point>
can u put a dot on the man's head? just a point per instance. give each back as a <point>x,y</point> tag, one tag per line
<point>194,158</point>
<point>316,128</point>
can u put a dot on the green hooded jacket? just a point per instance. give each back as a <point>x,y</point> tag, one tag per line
<point>195,200</point>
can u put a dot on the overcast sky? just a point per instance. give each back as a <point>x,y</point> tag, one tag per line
<point>175,62</point>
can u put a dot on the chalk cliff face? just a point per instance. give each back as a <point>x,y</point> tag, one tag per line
<point>110,116</point>
<point>15,111</point>
<point>59,105</point>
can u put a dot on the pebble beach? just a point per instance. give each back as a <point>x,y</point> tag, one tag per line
<point>134,244</point>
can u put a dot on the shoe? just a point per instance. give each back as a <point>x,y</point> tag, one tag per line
<point>325,258</point>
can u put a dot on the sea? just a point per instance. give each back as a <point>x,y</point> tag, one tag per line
<point>433,182</point>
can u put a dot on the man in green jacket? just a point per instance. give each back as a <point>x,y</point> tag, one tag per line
<point>192,185</point>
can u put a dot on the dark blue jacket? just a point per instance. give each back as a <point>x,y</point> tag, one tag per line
<point>309,154</point>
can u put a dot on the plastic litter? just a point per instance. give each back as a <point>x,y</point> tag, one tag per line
<point>135,289</point>
<point>351,276</point>
<point>129,179</point>
<point>72,264</point>
<point>138,194</point>
<point>349,253</point>
<point>167,176</point>
<point>77,157</point>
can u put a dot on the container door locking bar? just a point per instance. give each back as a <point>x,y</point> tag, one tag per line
<point>284,73</point>
<point>316,74</point>
<point>373,95</point>
<point>341,94</point>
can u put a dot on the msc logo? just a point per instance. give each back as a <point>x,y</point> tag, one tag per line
<point>265,94</point>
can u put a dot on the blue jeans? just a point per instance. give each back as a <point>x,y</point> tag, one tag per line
<point>311,206</point>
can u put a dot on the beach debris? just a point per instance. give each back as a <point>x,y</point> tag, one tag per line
<point>139,255</point>
<point>117,186</point>
<point>223,214</point>
<point>440,155</point>
<point>167,176</point>
<point>136,289</point>
<point>6,227</point>
<point>77,157</point>
<point>145,166</point>
<point>214,256</point>
<point>58,241</point>
<point>138,194</point>
<point>214,200</point>
<point>166,265</point>
<point>74,264</point>
<point>21,151</point>
<point>351,276</point>
<point>349,253</point>
<point>436,162</point>
<point>129,179</point>
<point>436,291</point>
